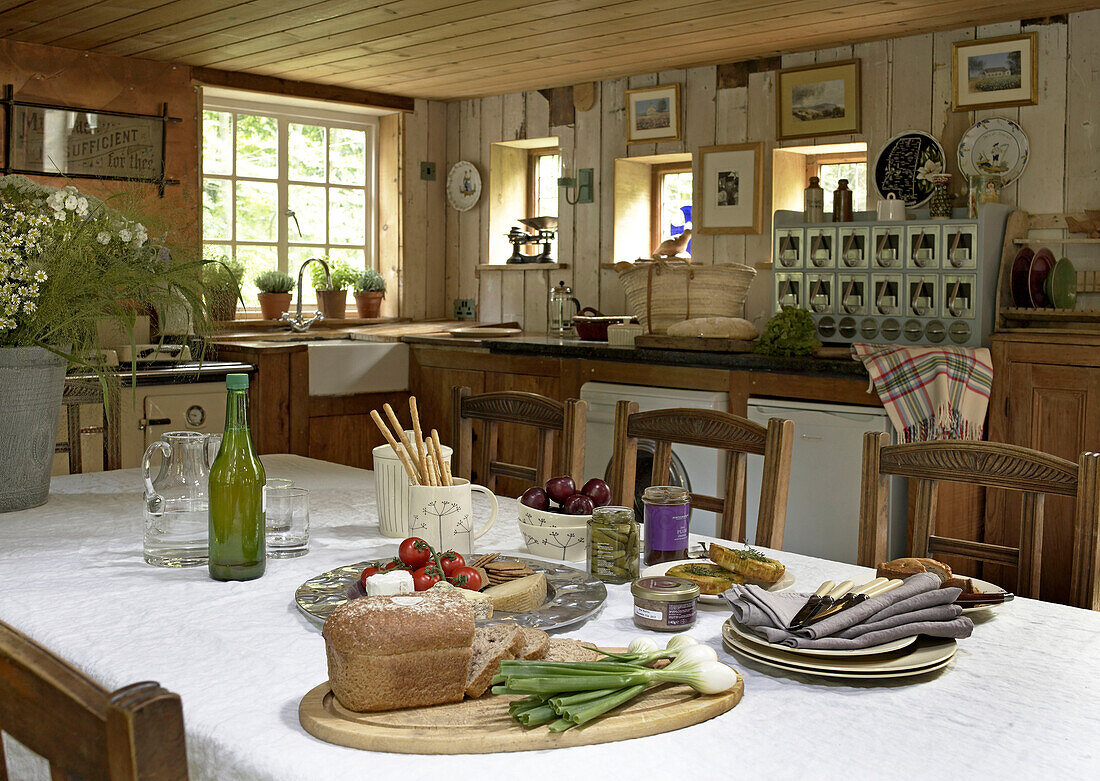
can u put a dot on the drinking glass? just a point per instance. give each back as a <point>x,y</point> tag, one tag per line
<point>292,505</point>
<point>274,521</point>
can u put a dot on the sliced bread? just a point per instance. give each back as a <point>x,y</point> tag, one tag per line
<point>564,649</point>
<point>492,644</point>
<point>535,643</point>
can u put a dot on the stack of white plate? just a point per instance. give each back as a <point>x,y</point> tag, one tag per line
<point>897,659</point>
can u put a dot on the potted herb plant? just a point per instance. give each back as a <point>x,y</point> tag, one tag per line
<point>274,295</point>
<point>370,289</point>
<point>70,266</point>
<point>333,300</point>
<point>222,279</point>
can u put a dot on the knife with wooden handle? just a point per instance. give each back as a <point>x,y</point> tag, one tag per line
<point>811,604</point>
<point>827,601</point>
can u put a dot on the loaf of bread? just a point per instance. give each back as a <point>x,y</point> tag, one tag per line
<point>910,565</point>
<point>717,327</point>
<point>403,651</point>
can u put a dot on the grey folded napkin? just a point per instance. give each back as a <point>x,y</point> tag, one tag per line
<point>917,607</point>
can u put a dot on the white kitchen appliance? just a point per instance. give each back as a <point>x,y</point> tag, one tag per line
<point>152,410</point>
<point>826,466</point>
<point>698,469</point>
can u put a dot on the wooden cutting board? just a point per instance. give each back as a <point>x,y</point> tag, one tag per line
<point>696,343</point>
<point>483,726</point>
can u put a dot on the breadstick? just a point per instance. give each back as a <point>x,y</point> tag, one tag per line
<point>401,435</point>
<point>444,467</point>
<point>413,478</point>
<point>421,450</point>
<point>433,467</point>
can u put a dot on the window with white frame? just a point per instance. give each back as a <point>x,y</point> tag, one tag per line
<point>283,181</point>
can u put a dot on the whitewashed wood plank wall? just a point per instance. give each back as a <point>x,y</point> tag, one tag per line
<point>906,85</point>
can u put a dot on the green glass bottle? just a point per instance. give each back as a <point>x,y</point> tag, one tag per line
<point>237,549</point>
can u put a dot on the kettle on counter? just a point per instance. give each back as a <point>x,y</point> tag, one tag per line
<point>559,315</point>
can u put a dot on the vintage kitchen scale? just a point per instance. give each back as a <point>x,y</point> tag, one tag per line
<point>546,228</point>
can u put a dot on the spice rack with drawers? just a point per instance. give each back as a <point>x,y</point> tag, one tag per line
<point>921,281</point>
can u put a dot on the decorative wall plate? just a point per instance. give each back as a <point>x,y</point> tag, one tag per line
<point>463,186</point>
<point>906,164</point>
<point>994,147</point>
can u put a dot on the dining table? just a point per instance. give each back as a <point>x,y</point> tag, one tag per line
<point>1020,698</point>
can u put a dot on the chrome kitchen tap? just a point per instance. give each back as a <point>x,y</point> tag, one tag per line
<point>297,323</point>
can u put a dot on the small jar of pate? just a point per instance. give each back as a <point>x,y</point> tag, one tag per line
<point>667,517</point>
<point>664,604</point>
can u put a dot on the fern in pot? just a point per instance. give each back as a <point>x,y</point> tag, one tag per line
<point>370,289</point>
<point>274,295</point>
<point>222,279</point>
<point>71,267</point>
<point>333,299</point>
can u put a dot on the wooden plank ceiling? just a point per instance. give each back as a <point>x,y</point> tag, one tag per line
<point>450,49</point>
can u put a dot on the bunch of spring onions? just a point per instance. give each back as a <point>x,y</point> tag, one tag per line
<point>568,694</point>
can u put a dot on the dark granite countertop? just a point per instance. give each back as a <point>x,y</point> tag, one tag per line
<point>556,347</point>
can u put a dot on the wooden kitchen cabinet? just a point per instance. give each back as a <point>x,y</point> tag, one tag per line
<point>1049,400</point>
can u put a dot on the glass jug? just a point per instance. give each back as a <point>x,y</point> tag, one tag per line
<point>561,310</point>
<point>176,501</point>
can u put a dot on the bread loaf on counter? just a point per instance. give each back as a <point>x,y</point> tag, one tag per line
<point>403,651</point>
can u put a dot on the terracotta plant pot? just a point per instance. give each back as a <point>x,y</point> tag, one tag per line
<point>222,303</point>
<point>333,303</point>
<point>272,305</point>
<point>369,303</point>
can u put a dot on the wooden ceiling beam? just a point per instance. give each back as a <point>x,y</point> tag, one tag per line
<point>253,82</point>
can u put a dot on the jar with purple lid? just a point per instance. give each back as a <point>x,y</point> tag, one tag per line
<point>667,516</point>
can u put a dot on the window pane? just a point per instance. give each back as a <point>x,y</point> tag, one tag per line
<point>216,209</point>
<point>347,156</point>
<point>830,175</point>
<point>256,211</point>
<point>353,257</point>
<point>546,185</point>
<point>308,205</point>
<point>217,142</point>
<point>347,216</point>
<point>675,205</point>
<point>299,255</point>
<point>256,259</point>
<point>257,145</point>
<point>306,152</point>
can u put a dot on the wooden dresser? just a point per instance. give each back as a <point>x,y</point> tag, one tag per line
<point>1047,397</point>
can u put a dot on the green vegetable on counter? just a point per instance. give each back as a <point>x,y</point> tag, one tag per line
<point>790,332</point>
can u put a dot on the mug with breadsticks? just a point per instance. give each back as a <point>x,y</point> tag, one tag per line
<point>443,515</point>
<point>392,489</point>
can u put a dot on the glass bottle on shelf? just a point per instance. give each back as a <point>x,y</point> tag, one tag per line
<point>842,202</point>
<point>237,547</point>
<point>814,201</point>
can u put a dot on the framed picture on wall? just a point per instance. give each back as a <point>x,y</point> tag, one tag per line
<point>818,100</point>
<point>729,194</point>
<point>994,73</point>
<point>653,114</point>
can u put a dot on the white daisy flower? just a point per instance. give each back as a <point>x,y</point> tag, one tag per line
<point>103,237</point>
<point>124,235</point>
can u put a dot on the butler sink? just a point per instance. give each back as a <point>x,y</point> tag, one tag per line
<point>339,366</point>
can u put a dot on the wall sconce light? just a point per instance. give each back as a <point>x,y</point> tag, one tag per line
<point>583,184</point>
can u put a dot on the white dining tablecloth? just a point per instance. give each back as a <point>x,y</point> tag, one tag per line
<point>1020,700</point>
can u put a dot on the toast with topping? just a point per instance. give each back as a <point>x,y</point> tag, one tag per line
<point>750,564</point>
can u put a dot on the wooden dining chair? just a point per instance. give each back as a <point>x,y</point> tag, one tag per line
<point>80,392</point>
<point>563,419</point>
<point>80,728</point>
<point>992,465</point>
<point>738,436</point>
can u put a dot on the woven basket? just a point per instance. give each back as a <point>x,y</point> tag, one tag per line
<point>661,293</point>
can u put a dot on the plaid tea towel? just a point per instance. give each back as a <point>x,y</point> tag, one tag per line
<point>931,392</point>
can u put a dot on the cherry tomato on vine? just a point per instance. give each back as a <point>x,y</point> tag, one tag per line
<point>426,577</point>
<point>466,577</point>
<point>415,552</point>
<point>392,564</point>
<point>451,561</point>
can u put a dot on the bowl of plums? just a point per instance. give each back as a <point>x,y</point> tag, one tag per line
<point>554,518</point>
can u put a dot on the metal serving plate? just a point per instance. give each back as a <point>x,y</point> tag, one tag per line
<point>572,595</point>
